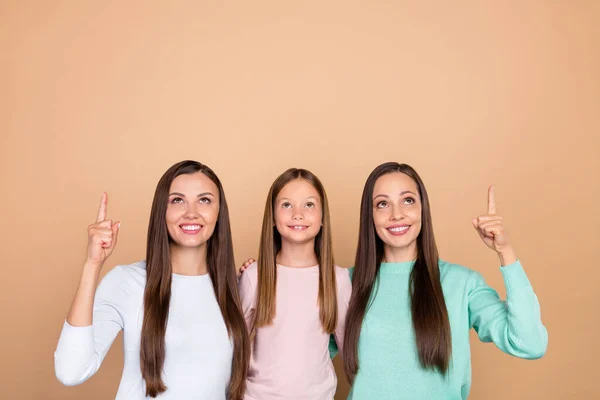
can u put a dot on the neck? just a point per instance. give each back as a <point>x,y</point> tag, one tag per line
<point>400,254</point>
<point>297,255</point>
<point>188,260</point>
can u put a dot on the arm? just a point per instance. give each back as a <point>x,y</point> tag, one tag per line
<point>514,325</point>
<point>333,347</point>
<point>344,291</point>
<point>87,317</point>
<point>248,297</point>
<point>81,349</point>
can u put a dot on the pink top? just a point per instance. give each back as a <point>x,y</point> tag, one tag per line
<point>290,358</point>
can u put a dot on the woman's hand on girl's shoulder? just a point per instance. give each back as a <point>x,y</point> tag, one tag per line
<point>245,265</point>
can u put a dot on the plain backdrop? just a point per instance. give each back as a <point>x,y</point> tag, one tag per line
<point>105,96</point>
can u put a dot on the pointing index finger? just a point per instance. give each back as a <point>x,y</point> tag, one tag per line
<point>103,206</point>
<point>491,200</point>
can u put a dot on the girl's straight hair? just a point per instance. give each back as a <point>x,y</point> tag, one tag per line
<point>270,245</point>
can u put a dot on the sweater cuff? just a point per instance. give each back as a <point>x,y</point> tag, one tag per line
<point>515,277</point>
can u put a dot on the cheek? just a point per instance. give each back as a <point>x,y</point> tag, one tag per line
<point>280,216</point>
<point>316,217</point>
<point>210,215</point>
<point>416,215</point>
<point>379,219</point>
<point>417,223</point>
<point>172,218</point>
<point>173,215</point>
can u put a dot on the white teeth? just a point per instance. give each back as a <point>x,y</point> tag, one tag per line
<point>190,227</point>
<point>298,227</point>
<point>399,229</point>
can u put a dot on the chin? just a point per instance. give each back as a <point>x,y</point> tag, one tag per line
<point>299,240</point>
<point>189,244</point>
<point>400,243</point>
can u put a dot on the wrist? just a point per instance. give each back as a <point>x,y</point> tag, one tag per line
<point>507,256</point>
<point>92,268</point>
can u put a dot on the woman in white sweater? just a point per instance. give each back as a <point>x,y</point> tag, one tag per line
<point>184,334</point>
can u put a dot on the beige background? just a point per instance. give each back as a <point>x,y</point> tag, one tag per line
<point>101,96</point>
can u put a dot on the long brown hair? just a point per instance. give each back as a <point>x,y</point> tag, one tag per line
<point>157,294</point>
<point>270,245</point>
<point>428,307</point>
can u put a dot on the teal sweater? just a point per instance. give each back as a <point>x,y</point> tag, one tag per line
<point>388,362</point>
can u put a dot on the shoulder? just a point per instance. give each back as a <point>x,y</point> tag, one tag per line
<point>250,274</point>
<point>454,269</point>
<point>342,276</point>
<point>342,273</point>
<point>451,273</point>
<point>134,270</point>
<point>252,269</point>
<point>124,277</point>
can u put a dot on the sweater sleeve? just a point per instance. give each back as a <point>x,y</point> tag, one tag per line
<point>514,325</point>
<point>81,350</point>
<point>333,348</point>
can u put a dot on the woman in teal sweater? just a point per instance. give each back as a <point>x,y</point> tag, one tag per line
<point>407,327</point>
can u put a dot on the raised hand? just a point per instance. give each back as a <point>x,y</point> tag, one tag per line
<point>490,227</point>
<point>102,236</point>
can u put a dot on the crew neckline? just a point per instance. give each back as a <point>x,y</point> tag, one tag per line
<point>191,277</point>
<point>299,268</point>
<point>396,267</point>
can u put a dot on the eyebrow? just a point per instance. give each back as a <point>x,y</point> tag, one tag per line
<point>387,197</point>
<point>200,195</point>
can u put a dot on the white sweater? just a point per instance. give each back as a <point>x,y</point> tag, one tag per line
<point>198,349</point>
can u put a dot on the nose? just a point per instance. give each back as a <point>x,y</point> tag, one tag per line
<point>297,215</point>
<point>192,212</point>
<point>397,213</point>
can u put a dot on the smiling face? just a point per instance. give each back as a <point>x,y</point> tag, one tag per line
<point>397,214</point>
<point>298,212</point>
<point>192,210</point>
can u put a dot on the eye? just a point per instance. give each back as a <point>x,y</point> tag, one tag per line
<point>205,200</point>
<point>382,204</point>
<point>310,204</point>
<point>176,200</point>
<point>409,200</point>
<point>286,204</point>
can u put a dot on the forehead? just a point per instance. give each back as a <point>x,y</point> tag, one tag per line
<point>193,184</point>
<point>394,183</point>
<point>298,188</point>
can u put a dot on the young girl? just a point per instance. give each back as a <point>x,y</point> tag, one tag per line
<point>295,296</point>
<point>184,333</point>
<point>407,327</point>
